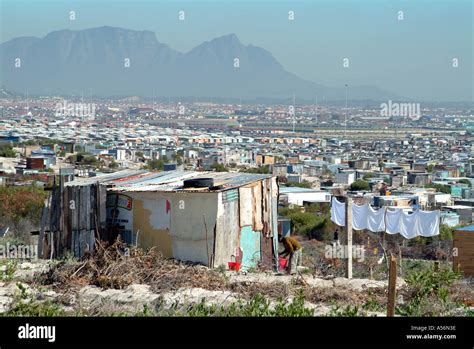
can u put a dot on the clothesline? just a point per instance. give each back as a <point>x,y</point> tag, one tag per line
<point>391,221</point>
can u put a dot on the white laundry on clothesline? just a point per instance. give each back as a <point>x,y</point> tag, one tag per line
<point>392,221</point>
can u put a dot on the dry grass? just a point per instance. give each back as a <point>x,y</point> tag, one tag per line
<point>275,290</point>
<point>111,267</point>
<point>345,296</point>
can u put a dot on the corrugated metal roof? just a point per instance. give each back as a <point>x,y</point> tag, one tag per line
<point>139,180</point>
<point>104,178</point>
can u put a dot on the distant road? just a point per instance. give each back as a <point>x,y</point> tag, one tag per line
<point>302,131</point>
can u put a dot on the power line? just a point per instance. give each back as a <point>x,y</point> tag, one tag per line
<point>294,112</point>
<point>345,115</point>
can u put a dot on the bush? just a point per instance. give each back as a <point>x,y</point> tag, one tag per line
<point>7,274</point>
<point>445,232</point>
<point>25,305</point>
<point>303,184</point>
<point>262,170</point>
<point>428,292</point>
<point>368,175</point>
<point>348,311</point>
<point>24,202</point>
<point>7,151</point>
<point>442,188</point>
<point>155,165</point>
<point>304,223</point>
<point>258,306</point>
<point>219,167</point>
<point>465,181</point>
<point>360,185</point>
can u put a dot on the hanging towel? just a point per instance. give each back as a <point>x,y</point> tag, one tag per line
<point>408,225</point>
<point>338,212</point>
<point>392,221</point>
<point>428,223</point>
<point>376,219</point>
<point>360,215</point>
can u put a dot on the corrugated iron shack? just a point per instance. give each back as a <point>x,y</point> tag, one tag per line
<point>207,217</point>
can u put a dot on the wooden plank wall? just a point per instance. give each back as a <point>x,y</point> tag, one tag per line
<point>77,217</point>
<point>463,247</point>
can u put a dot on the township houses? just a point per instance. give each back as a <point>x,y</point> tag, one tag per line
<point>207,217</point>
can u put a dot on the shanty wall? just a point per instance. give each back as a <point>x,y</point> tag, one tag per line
<point>463,253</point>
<point>175,223</point>
<point>193,227</point>
<point>212,228</point>
<point>228,229</point>
<point>72,220</point>
<point>250,245</point>
<point>247,225</point>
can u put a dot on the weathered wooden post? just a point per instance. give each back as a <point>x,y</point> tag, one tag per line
<point>348,239</point>
<point>392,286</point>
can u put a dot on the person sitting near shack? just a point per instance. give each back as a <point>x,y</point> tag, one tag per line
<point>293,249</point>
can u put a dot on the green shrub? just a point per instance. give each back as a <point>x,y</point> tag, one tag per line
<point>7,274</point>
<point>262,169</point>
<point>258,306</point>
<point>25,305</point>
<point>219,167</point>
<point>7,151</point>
<point>348,311</point>
<point>22,202</point>
<point>427,290</point>
<point>34,308</point>
<point>360,185</point>
<point>303,184</point>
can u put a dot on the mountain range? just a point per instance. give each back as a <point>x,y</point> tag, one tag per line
<point>110,61</point>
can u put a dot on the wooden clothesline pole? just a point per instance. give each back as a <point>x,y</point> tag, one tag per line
<point>392,287</point>
<point>348,216</point>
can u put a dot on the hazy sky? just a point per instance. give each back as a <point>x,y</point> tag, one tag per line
<point>412,57</point>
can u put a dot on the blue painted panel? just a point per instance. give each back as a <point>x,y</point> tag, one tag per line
<point>250,245</point>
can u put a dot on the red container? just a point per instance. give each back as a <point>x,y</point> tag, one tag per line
<point>234,266</point>
<point>283,263</point>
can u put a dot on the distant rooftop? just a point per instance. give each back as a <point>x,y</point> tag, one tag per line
<point>469,227</point>
<point>286,190</point>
